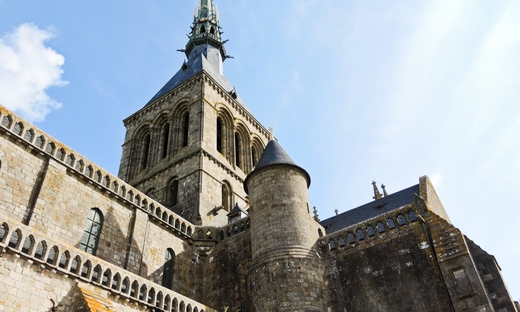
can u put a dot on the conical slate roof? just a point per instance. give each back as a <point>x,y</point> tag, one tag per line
<point>274,155</point>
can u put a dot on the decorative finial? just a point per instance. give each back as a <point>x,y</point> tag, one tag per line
<point>377,194</point>
<point>384,190</point>
<point>316,217</point>
<point>271,135</point>
<point>336,211</point>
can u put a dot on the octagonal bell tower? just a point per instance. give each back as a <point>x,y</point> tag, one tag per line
<point>193,144</point>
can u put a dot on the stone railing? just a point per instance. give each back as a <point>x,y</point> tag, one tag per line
<point>76,264</point>
<point>21,131</point>
<point>217,234</point>
<point>368,230</point>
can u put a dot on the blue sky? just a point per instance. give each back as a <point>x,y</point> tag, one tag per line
<point>355,90</point>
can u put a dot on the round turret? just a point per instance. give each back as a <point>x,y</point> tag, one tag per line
<point>279,200</point>
<point>283,234</point>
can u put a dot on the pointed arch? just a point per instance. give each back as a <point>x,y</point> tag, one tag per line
<point>172,193</point>
<point>140,151</point>
<point>226,196</point>
<point>165,139</point>
<point>185,129</point>
<point>168,268</point>
<point>242,148</point>
<point>181,124</point>
<point>257,148</point>
<point>225,135</point>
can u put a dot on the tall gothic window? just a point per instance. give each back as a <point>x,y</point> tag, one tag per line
<point>90,239</point>
<point>173,190</point>
<point>238,163</point>
<point>169,265</point>
<point>146,151</point>
<point>254,159</point>
<point>226,196</point>
<point>185,129</point>
<point>166,138</point>
<point>219,135</point>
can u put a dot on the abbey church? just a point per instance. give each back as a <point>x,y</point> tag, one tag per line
<point>209,213</point>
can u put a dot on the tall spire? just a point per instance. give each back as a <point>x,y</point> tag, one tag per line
<point>206,29</point>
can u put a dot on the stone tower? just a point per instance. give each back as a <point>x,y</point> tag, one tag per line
<point>283,237</point>
<point>192,145</point>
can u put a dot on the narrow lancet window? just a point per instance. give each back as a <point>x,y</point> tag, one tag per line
<point>237,151</point>
<point>219,135</point>
<point>169,263</point>
<point>90,239</point>
<point>226,196</point>
<point>185,129</point>
<point>146,151</point>
<point>166,138</point>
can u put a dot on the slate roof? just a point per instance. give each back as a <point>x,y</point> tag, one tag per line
<point>370,210</point>
<point>274,155</point>
<point>195,64</point>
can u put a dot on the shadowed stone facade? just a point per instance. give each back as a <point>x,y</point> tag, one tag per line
<point>164,234</point>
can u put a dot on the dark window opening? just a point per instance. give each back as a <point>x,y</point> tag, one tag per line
<point>219,135</point>
<point>226,197</point>
<point>174,189</point>
<point>166,138</point>
<point>237,151</point>
<point>185,129</point>
<point>202,29</point>
<point>146,150</point>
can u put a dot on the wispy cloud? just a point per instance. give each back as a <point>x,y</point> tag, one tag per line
<point>27,69</point>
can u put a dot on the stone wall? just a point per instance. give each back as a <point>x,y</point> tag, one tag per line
<point>36,268</point>
<point>225,273</point>
<point>383,265</point>
<point>489,272</point>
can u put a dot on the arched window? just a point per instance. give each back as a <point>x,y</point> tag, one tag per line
<point>226,196</point>
<point>238,148</point>
<point>146,151</point>
<point>256,151</point>
<point>185,129</point>
<point>169,264</point>
<point>166,139</point>
<point>219,135</point>
<point>254,157</point>
<point>172,195</point>
<point>93,225</point>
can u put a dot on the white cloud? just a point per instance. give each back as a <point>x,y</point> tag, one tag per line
<point>27,69</point>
